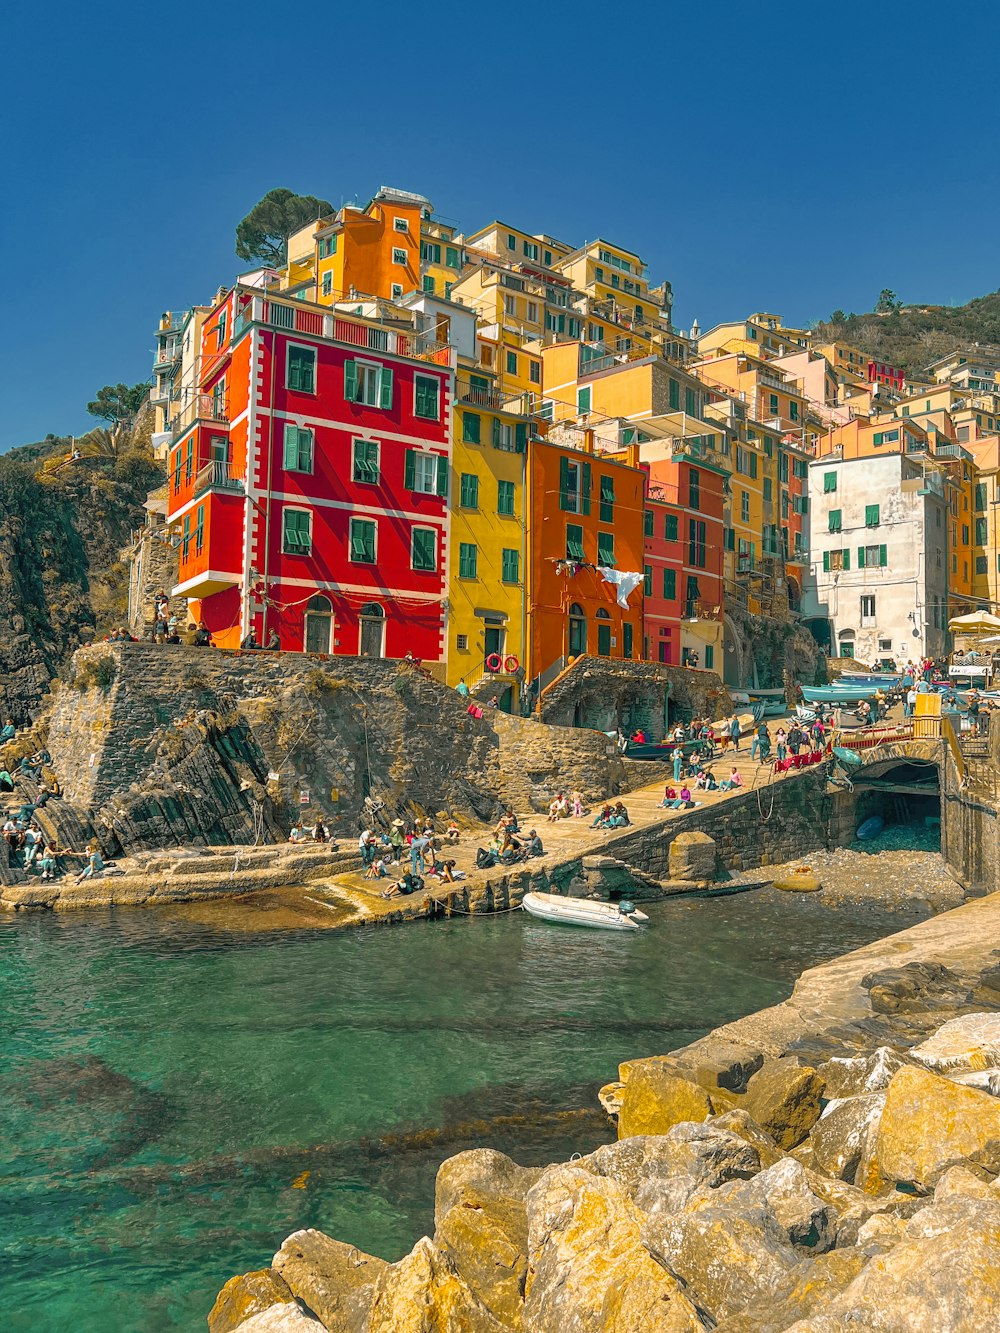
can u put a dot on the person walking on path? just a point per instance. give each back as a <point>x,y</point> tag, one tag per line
<point>734,732</point>
<point>678,758</point>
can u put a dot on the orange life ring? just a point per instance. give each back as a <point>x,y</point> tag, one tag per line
<point>511,664</point>
<point>494,662</point>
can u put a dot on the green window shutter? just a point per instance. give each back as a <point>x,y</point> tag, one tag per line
<point>882,557</point>
<point>768,489</point>
<point>829,481</point>
<point>689,402</point>
<point>409,469</point>
<point>424,549</point>
<point>647,580</point>
<point>385,387</point>
<point>647,523</point>
<point>291,448</point>
<point>670,528</point>
<point>871,516</point>
<point>564,496</point>
<point>442,475</point>
<point>861,557</point>
<point>826,562</point>
<point>471,422</point>
<point>351,381</point>
<point>505,497</point>
<point>468,558</point>
<point>521,437</point>
<point>669,584</point>
<point>426,400</point>
<point>363,541</point>
<point>469,491</point>
<point>510,565</point>
<point>296,531</point>
<point>585,490</point>
<point>496,432</point>
<point>981,495</point>
<point>981,533</point>
<point>675,395</point>
<point>835,520</point>
<point>847,558</point>
<point>804,505</point>
<point>607,504</point>
<point>605,548</point>
<point>574,541</point>
<point>627,639</point>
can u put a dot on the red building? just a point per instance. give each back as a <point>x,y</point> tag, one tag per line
<point>683,554</point>
<point>880,373</point>
<point>309,481</point>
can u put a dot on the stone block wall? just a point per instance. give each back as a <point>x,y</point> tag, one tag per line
<point>604,694</point>
<point>163,743</point>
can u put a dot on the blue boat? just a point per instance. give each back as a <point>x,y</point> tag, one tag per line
<point>846,695</point>
<point>878,680</point>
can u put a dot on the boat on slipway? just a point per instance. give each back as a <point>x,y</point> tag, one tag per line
<point>845,695</point>
<point>584,912</point>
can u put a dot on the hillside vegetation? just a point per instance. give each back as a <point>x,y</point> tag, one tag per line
<point>911,336</point>
<point>62,526</point>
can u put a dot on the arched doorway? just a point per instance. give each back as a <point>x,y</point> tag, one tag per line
<point>845,643</point>
<point>319,625</point>
<point>794,595</point>
<point>577,630</point>
<point>372,636</point>
<point>603,633</point>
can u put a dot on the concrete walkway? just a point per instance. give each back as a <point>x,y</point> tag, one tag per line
<point>570,837</point>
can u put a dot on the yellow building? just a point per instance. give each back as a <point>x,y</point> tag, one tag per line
<point>621,308</point>
<point>986,523</point>
<point>486,610</point>
<point>848,362</point>
<point>769,395</point>
<point>761,335</point>
<point>442,257</point>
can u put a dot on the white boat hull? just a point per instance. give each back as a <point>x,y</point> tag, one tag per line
<point>581,912</point>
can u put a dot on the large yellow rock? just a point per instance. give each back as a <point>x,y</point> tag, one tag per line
<point>655,1098</point>
<point>929,1124</point>
<point>244,1296</point>
<point>784,1099</point>
<point>335,1280</point>
<point>588,1269</point>
<point>425,1293</point>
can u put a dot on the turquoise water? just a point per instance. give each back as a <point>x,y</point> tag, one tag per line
<point>165,1086</point>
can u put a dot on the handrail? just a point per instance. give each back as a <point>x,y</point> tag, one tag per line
<point>948,733</point>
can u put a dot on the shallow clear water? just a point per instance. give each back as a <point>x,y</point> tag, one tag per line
<point>175,1098</point>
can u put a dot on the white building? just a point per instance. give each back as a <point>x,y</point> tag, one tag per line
<point>876,586</point>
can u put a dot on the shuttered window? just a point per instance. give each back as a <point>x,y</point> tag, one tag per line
<point>510,565</point>
<point>424,549</point>
<point>669,584</point>
<point>296,532</point>
<point>606,507</point>
<point>469,491</point>
<point>574,542</point>
<point>362,541</point>
<point>298,449</point>
<point>427,398</point>
<point>605,548</point>
<point>301,369</point>
<point>468,560</point>
<point>505,497</point>
<point>366,462</point>
<point>471,427</point>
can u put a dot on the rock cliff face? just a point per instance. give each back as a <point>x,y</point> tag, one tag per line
<point>160,746</point>
<point>828,1165</point>
<point>61,529</point>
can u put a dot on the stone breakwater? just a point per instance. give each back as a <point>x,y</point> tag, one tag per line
<point>828,1165</point>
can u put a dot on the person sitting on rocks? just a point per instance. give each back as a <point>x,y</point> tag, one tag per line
<point>34,843</point>
<point>558,809</point>
<point>603,819</point>
<point>669,796</point>
<point>13,833</point>
<point>8,732</point>
<point>452,833</point>
<point>28,769</point>
<point>6,780</point>
<point>533,847</point>
<point>705,781</point>
<point>48,861</point>
<point>732,782</point>
<point>319,833</point>
<point>249,639</point>
<point>619,816</point>
<point>94,864</point>
<point>297,833</point>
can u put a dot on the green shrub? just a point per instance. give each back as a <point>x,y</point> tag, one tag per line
<point>96,673</point>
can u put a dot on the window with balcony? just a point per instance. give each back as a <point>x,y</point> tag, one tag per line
<point>362,541</point>
<point>369,383</point>
<point>425,473</point>
<point>299,446</point>
<point>574,486</point>
<point>296,531</point>
<point>423,549</point>
<point>365,463</point>
<point>427,397</point>
<point>300,369</point>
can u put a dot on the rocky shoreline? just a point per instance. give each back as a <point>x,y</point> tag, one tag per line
<point>827,1165</point>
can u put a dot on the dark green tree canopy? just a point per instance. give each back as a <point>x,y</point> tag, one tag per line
<point>262,236</point>
<point>118,402</point>
<point>887,302</point>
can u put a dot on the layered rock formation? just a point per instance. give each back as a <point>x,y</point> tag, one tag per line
<point>829,1165</point>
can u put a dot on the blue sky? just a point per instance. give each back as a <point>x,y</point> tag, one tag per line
<point>788,157</point>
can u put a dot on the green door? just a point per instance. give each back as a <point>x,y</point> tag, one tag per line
<point>603,639</point>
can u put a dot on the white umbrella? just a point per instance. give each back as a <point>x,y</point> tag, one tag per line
<point>976,622</point>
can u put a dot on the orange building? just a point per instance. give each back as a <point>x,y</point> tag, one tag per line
<point>370,251</point>
<point>584,510</point>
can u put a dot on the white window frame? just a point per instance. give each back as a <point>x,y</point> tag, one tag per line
<point>506,437</point>
<point>396,252</point>
<point>298,509</point>
<point>424,462</point>
<point>426,527</point>
<point>868,618</point>
<point>327,284</point>
<point>401,224</point>
<point>532,312</point>
<point>302,347</point>
<point>366,368</point>
<point>510,304</point>
<point>396,291</point>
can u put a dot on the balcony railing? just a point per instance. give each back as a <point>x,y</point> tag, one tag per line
<point>201,407</point>
<point>217,476</point>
